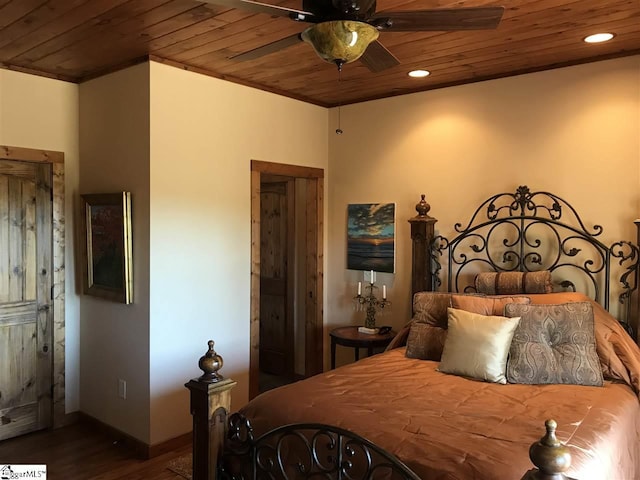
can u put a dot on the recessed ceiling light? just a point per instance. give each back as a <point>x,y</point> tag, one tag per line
<point>599,37</point>
<point>419,73</point>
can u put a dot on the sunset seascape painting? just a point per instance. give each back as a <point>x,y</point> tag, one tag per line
<point>371,236</point>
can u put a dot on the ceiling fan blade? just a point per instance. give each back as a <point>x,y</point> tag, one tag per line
<point>377,58</point>
<point>445,19</point>
<point>259,7</point>
<point>268,48</point>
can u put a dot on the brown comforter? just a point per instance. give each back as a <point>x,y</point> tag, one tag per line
<point>449,427</point>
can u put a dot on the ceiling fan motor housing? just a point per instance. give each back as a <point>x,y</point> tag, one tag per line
<point>325,10</point>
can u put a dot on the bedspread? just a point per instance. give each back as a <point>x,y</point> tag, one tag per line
<point>448,427</point>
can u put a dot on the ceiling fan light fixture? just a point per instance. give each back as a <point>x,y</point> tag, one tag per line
<point>598,37</point>
<point>340,41</point>
<point>419,73</point>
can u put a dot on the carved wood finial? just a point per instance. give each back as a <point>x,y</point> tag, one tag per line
<point>550,456</point>
<point>422,207</point>
<point>210,363</point>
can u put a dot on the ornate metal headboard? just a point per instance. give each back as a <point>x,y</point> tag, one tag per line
<point>525,231</point>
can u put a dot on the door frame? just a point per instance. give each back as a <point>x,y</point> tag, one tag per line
<point>56,160</point>
<point>314,324</point>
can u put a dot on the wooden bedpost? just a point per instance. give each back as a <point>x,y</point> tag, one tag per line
<point>210,402</point>
<point>635,317</point>
<point>422,233</point>
<point>550,456</point>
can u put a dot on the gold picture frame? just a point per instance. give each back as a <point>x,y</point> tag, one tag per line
<point>108,259</point>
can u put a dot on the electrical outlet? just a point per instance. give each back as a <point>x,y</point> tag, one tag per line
<point>122,389</point>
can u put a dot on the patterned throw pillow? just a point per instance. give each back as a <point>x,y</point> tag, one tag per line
<point>425,341</point>
<point>513,283</point>
<point>554,344</point>
<point>429,327</point>
<point>431,308</point>
<point>477,345</point>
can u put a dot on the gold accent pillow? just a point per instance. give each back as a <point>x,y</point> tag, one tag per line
<point>477,345</point>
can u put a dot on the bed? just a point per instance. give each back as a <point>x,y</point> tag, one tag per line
<point>448,426</point>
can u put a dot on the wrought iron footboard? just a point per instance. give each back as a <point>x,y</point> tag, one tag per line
<point>307,450</point>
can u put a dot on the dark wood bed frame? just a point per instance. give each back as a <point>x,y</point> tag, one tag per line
<point>520,226</point>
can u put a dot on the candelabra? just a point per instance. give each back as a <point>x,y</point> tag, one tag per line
<point>371,303</point>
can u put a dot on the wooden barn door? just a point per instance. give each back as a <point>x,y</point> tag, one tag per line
<point>276,277</point>
<point>25,297</point>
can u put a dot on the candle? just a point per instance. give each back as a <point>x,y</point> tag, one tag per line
<point>359,288</point>
<point>371,277</point>
<point>384,292</point>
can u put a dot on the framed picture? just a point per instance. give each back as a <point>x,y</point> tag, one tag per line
<point>371,236</point>
<point>108,246</point>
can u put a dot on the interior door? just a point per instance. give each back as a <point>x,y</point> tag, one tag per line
<point>25,297</point>
<point>276,286</point>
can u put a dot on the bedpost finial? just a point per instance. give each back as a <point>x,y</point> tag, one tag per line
<point>210,363</point>
<point>422,207</point>
<point>550,439</point>
<point>549,454</point>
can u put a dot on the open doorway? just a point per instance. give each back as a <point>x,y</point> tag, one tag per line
<point>286,274</point>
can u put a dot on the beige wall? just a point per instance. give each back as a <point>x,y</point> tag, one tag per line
<point>204,133</point>
<point>42,113</point>
<point>114,148</point>
<point>573,131</point>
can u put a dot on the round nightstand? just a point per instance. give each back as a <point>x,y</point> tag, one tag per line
<point>350,337</point>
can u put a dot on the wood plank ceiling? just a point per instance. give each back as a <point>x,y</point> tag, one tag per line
<point>77,40</point>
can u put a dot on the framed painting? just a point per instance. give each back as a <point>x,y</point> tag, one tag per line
<point>108,259</point>
<point>371,236</point>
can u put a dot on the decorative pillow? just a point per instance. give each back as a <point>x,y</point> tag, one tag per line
<point>425,341</point>
<point>554,344</point>
<point>477,345</point>
<point>431,308</point>
<point>510,283</point>
<point>485,305</point>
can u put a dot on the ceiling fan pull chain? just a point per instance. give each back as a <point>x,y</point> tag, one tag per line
<point>339,130</point>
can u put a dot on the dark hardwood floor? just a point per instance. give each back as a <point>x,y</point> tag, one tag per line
<point>80,452</point>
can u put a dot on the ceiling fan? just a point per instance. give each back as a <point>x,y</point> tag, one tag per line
<point>343,31</point>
